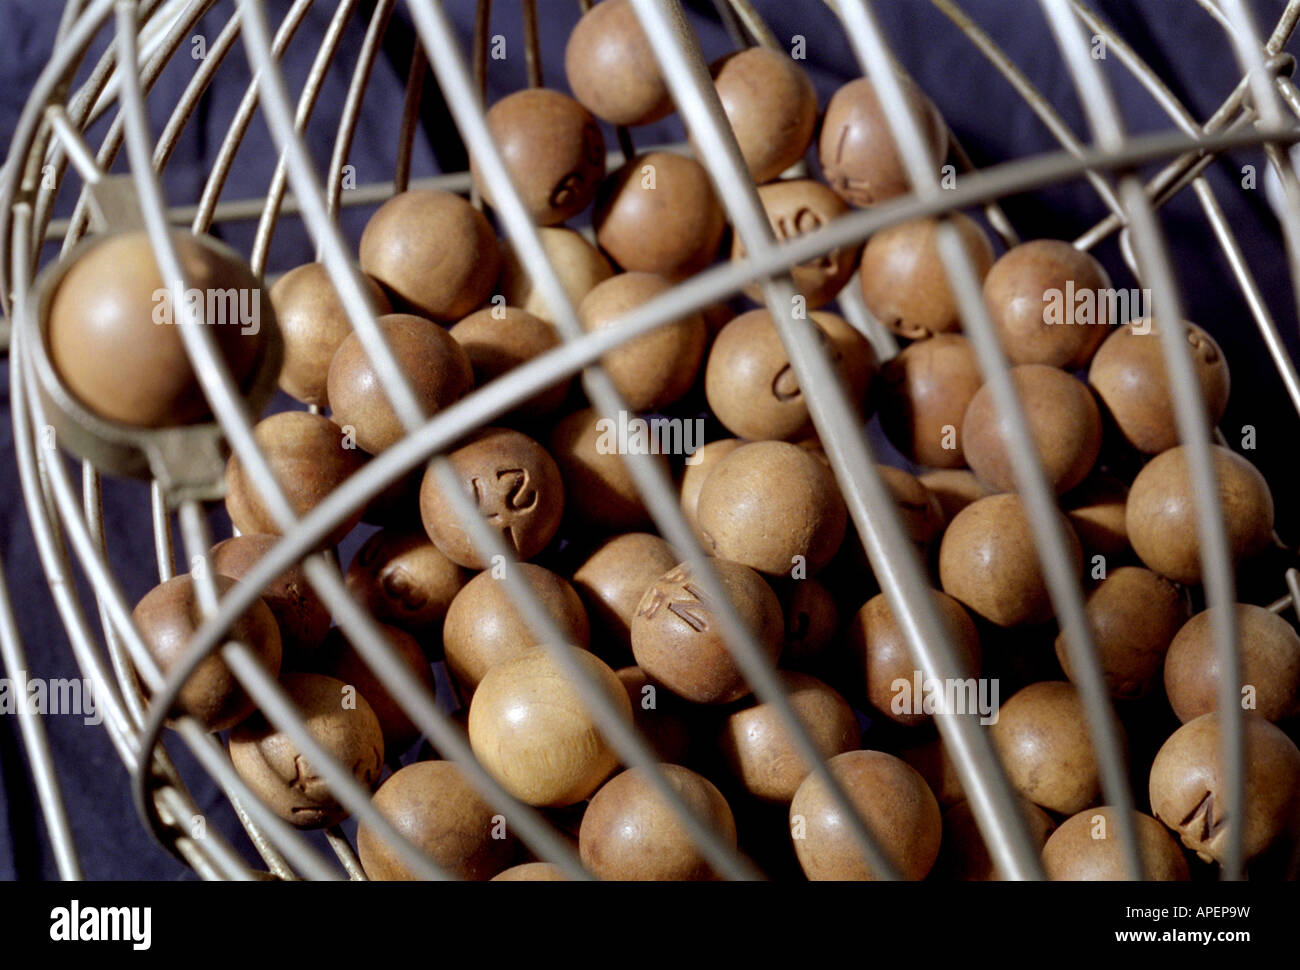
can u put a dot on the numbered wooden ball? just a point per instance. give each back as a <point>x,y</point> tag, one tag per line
<point>579,265</point>
<point>796,207</point>
<point>772,106</point>
<point>1161,514</point>
<point>919,510</point>
<point>530,728</point>
<point>484,628</point>
<point>904,280</point>
<point>1133,614</point>
<point>774,507</point>
<point>339,719</point>
<point>1270,665</point>
<point>657,368</point>
<point>598,484</point>
<point>553,152</point>
<point>1097,511</point>
<point>812,620</point>
<point>965,855</point>
<point>856,147</point>
<point>434,253</point>
<point>895,804</point>
<point>302,617</point>
<point>630,832</point>
<point>436,368</point>
<point>168,617</point>
<point>402,579</point>
<point>1041,735</point>
<point>313,323</point>
<point>1129,375</point>
<point>1064,424</point>
<point>309,456</point>
<point>612,69</point>
<point>1087,847</point>
<point>924,393</point>
<point>660,717</point>
<point>677,639</point>
<point>1049,303</point>
<point>1189,788</point>
<point>614,578</point>
<point>658,213</point>
<point>516,486</point>
<point>114,337</point>
<point>499,339</point>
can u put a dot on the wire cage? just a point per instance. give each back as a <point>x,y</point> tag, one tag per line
<point>51,150</point>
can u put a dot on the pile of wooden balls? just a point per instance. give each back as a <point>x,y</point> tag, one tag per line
<point>762,500</point>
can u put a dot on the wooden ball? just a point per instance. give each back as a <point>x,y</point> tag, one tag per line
<point>811,621</point>
<point>894,802</point>
<point>313,323</point>
<point>1189,788</point>
<point>484,628</point>
<point>629,832</point>
<point>920,511</point>
<point>676,637</point>
<point>903,277</point>
<point>310,457</point>
<point>433,252</point>
<point>578,263</point>
<point>597,481</point>
<point>434,364</point>
<point>498,340</point>
<point>856,147</point>
<point>1270,665</point>
<point>516,486</point>
<point>301,616</point>
<point>932,760</point>
<point>1133,615</point>
<point>614,578</point>
<point>612,68</point>
<point>769,502</point>
<point>954,488</point>
<point>988,562</point>
<point>553,151</point>
<point>882,656</point>
<point>1041,735</point>
<point>1161,513</point>
<point>659,715</point>
<point>1035,329</point>
<point>796,207</point>
<point>925,391</point>
<point>168,617</point>
<point>772,106</point>
<point>402,579</point>
<point>114,334</point>
<point>1129,375</point>
<point>965,855</point>
<point>1064,423</point>
<point>1096,510</point>
<point>339,719</point>
<point>658,213</point>
<point>532,872</point>
<point>697,469</point>
<point>657,368</point>
<point>762,754</point>
<point>530,728</point>
<point>435,807</point>
<point>1087,847</point>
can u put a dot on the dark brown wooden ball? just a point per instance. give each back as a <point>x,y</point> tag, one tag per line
<point>167,618</point>
<point>516,486</point>
<point>313,323</point>
<point>300,614</point>
<point>894,802</point>
<point>433,252</point>
<point>614,578</point>
<point>1134,614</point>
<point>309,455</point>
<point>1270,665</point>
<point>658,213</point>
<point>1130,377</point>
<point>553,151</point>
<point>676,638</point>
<point>433,805</point>
<point>812,619</point>
<point>1087,848</point>
<point>114,334</point>
<point>612,68</point>
<point>924,393</point>
<point>499,339</point>
<point>1096,510</point>
<point>965,855</point>
<point>629,832</point>
<point>403,580</point>
<point>772,106</point>
<point>1041,735</point>
<point>1161,514</point>
<point>598,485</point>
<point>434,364</point>
<point>340,719</point>
<point>903,278</point>
<point>1017,290</point>
<point>856,147</point>
<point>1189,788</point>
<point>1063,420</point>
<point>579,264</point>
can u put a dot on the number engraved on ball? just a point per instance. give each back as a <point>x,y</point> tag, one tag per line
<point>1203,347</point>
<point>804,220</point>
<point>1202,820</point>
<point>856,190</point>
<point>401,589</point>
<point>506,498</point>
<point>681,596</point>
<point>785,386</point>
